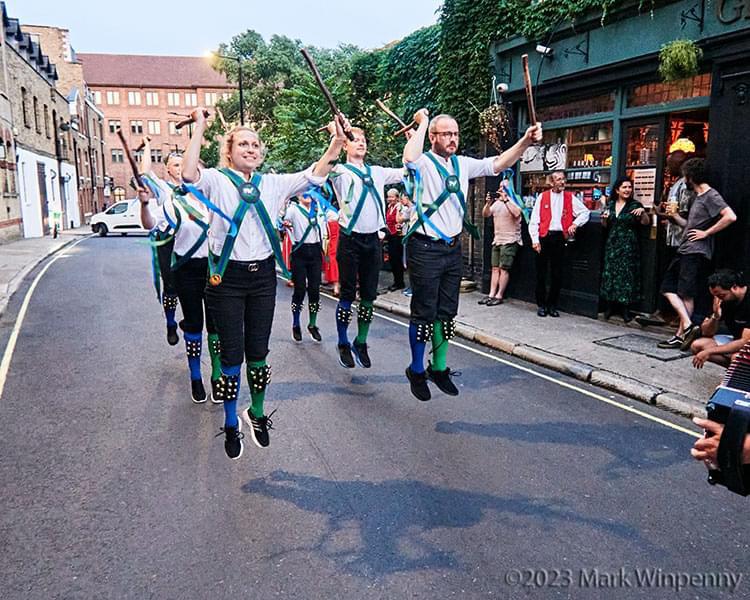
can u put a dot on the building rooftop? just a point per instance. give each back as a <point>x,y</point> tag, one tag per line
<point>149,71</point>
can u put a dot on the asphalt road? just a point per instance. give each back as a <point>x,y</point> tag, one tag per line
<point>114,486</point>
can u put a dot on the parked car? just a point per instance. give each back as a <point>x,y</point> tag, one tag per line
<point>122,217</point>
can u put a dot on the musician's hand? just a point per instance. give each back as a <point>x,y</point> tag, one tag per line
<point>534,134</point>
<point>700,359</point>
<point>421,115</point>
<point>706,448</point>
<point>537,248</point>
<point>717,306</point>
<point>143,195</point>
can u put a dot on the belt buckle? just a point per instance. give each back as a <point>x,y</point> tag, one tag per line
<point>253,267</point>
<point>452,243</point>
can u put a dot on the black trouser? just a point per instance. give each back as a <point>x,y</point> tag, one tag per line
<point>242,307</point>
<point>359,255</point>
<point>190,281</point>
<point>164,254</point>
<point>551,257</point>
<point>307,262</point>
<point>435,270</point>
<point>396,258</point>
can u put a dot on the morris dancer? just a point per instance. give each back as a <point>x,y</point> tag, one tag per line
<point>305,220</point>
<point>359,188</point>
<point>242,247</point>
<point>188,264</point>
<point>433,240</point>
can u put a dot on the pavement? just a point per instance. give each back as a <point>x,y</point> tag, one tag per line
<point>19,257</point>
<point>609,354</point>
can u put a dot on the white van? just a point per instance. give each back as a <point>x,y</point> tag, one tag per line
<point>122,217</point>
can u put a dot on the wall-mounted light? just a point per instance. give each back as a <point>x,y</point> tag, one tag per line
<point>545,50</point>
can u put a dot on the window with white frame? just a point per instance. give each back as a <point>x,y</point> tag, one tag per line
<point>156,155</point>
<point>173,128</point>
<point>98,98</point>
<point>118,155</point>
<point>191,99</point>
<point>154,127</point>
<point>113,98</point>
<point>152,98</point>
<point>173,98</point>
<point>211,98</point>
<point>136,126</point>
<point>114,125</point>
<point>134,98</point>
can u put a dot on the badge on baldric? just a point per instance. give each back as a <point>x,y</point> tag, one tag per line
<point>249,192</point>
<point>215,279</point>
<point>452,184</point>
<point>367,181</point>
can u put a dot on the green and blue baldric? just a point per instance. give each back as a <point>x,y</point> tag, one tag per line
<point>181,204</point>
<point>451,189</point>
<point>368,189</point>
<point>313,222</point>
<point>249,193</point>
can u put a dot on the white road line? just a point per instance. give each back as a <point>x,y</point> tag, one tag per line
<point>11,346</point>
<point>564,384</point>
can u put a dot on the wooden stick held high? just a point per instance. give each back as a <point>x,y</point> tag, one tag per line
<point>529,89</point>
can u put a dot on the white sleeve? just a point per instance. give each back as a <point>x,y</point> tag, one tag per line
<point>580,212</point>
<point>534,221</point>
<point>479,167</point>
<point>207,181</point>
<point>391,175</point>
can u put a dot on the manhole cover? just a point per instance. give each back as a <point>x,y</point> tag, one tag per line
<point>642,344</point>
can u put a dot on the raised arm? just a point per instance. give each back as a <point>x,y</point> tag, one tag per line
<point>192,154</point>
<point>146,156</point>
<point>415,146</point>
<point>337,128</point>
<point>147,219</point>
<point>513,154</point>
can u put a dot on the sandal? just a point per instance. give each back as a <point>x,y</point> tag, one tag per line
<point>485,300</point>
<point>494,301</point>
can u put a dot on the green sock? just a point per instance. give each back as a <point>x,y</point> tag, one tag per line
<point>313,318</point>
<point>214,349</point>
<point>256,398</point>
<point>439,348</point>
<point>363,325</point>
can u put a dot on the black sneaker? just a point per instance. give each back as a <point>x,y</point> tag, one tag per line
<point>674,342</point>
<point>259,427</point>
<point>541,312</point>
<point>297,334</point>
<point>172,337</point>
<point>314,333</point>
<point>199,392</point>
<point>216,396</point>
<point>552,312</point>
<point>360,354</point>
<point>691,334</point>
<point>418,383</point>
<point>232,440</point>
<point>442,379</point>
<point>345,356</point>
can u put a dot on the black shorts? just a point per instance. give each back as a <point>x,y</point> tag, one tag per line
<point>685,275</point>
<point>435,270</point>
<point>359,256</point>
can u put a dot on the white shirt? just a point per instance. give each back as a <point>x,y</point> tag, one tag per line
<point>370,218</point>
<point>163,194</point>
<point>252,242</point>
<point>449,218</point>
<point>299,222</point>
<point>580,214</point>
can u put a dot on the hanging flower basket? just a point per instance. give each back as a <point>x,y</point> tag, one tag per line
<point>493,124</point>
<point>679,60</point>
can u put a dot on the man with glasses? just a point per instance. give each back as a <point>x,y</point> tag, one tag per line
<point>440,180</point>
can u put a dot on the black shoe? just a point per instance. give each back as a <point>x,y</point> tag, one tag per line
<point>691,334</point>
<point>259,427</point>
<point>199,392</point>
<point>172,337</point>
<point>232,440</point>
<point>541,312</point>
<point>345,356</point>
<point>361,355</point>
<point>297,334</point>
<point>442,379</point>
<point>314,333</point>
<point>418,384</point>
<point>674,342</point>
<point>552,312</point>
<point>627,316</point>
<point>216,396</point>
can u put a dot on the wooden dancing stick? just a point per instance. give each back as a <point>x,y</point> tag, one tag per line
<point>142,145</point>
<point>189,120</point>
<point>379,103</point>
<point>224,123</point>
<point>529,89</point>
<point>131,160</point>
<point>406,128</point>
<point>329,98</point>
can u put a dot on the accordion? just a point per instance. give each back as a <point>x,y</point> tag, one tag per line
<point>730,405</point>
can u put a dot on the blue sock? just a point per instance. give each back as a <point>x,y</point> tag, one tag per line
<point>170,313</point>
<point>230,403</point>
<point>417,350</point>
<point>193,346</point>
<point>295,318</point>
<point>341,324</point>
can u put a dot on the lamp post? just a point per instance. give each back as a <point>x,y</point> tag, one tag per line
<point>239,80</point>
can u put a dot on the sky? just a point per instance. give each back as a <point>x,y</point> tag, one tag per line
<point>189,28</point>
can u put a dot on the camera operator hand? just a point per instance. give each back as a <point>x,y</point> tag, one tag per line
<point>706,448</point>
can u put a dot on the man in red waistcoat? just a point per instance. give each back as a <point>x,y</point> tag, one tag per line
<point>556,216</point>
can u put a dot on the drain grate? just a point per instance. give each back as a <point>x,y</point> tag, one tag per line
<point>642,344</point>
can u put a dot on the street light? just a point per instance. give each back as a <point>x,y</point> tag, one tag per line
<point>239,60</point>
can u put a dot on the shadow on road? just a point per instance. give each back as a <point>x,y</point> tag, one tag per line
<point>393,522</point>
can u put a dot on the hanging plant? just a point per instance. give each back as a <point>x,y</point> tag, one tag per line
<point>679,60</point>
<point>494,120</point>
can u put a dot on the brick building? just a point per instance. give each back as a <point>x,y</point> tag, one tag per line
<point>139,95</point>
<point>86,122</point>
<point>42,140</point>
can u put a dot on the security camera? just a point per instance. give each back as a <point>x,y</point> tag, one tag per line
<point>502,88</point>
<point>545,50</point>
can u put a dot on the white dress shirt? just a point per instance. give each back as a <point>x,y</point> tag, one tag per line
<point>370,219</point>
<point>299,222</point>
<point>275,190</point>
<point>580,214</point>
<point>449,218</point>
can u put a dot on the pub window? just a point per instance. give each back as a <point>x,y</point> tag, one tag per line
<point>114,125</point>
<point>25,106</point>
<point>659,92</point>
<point>134,98</point>
<point>585,106</point>
<point>152,98</point>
